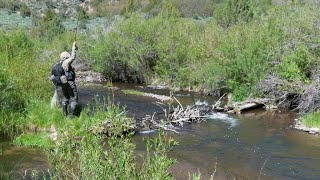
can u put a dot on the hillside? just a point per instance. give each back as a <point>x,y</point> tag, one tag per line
<point>98,8</point>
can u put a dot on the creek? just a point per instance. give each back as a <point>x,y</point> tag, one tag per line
<point>258,144</point>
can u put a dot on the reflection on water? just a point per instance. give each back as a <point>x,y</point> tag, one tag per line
<point>19,162</point>
<point>254,145</point>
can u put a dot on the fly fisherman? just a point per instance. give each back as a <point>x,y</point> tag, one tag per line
<point>63,74</point>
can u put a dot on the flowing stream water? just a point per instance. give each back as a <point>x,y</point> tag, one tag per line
<point>258,144</point>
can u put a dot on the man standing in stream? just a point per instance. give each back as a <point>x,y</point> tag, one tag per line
<point>63,74</point>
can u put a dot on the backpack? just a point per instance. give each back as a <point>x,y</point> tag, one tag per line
<point>57,71</point>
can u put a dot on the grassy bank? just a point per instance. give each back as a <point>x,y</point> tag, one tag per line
<point>311,119</point>
<point>82,150</point>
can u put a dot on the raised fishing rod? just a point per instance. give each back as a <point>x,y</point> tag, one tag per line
<point>75,34</point>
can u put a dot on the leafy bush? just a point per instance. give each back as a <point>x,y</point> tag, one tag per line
<point>24,10</point>
<point>82,17</point>
<point>232,11</point>
<point>130,7</point>
<point>23,78</point>
<point>82,154</point>
<point>296,66</point>
<point>49,26</point>
<point>10,94</point>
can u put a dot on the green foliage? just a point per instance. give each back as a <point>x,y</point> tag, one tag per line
<point>130,7</point>
<point>41,115</point>
<point>23,78</point>
<point>2,3</point>
<point>311,119</point>
<point>12,5</point>
<point>233,11</point>
<point>10,99</point>
<point>156,164</point>
<point>24,10</point>
<point>202,55</point>
<point>169,10</point>
<point>15,45</point>
<point>11,102</point>
<point>153,7</point>
<point>80,153</point>
<point>82,17</point>
<point>49,26</point>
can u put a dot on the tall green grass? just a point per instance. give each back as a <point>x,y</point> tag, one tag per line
<point>311,119</point>
<point>82,151</point>
<point>88,148</point>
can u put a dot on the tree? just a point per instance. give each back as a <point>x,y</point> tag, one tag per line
<point>168,10</point>
<point>130,7</point>
<point>49,26</point>
<point>82,17</point>
<point>233,11</point>
<point>24,10</point>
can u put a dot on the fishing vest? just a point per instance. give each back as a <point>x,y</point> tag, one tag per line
<point>57,71</point>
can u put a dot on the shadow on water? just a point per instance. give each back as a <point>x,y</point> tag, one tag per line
<point>254,145</point>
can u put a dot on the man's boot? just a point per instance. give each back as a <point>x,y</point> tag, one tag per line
<point>65,110</point>
<point>73,105</point>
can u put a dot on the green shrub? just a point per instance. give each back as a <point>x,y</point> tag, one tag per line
<point>24,77</point>
<point>14,46</point>
<point>49,26</point>
<point>296,66</point>
<point>24,10</point>
<point>11,102</point>
<point>10,99</point>
<point>130,7</point>
<point>83,152</point>
<point>82,17</point>
<point>232,11</point>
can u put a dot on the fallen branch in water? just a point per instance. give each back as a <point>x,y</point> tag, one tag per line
<point>178,117</point>
<point>242,106</point>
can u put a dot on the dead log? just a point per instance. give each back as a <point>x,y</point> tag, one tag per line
<point>248,106</point>
<point>242,106</point>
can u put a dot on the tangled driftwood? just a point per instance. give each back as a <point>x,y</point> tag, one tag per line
<point>177,117</point>
<point>295,95</point>
<point>239,107</point>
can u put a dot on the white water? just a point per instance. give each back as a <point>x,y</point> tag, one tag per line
<point>224,118</point>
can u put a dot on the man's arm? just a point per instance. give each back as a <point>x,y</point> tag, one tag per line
<point>66,63</point>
